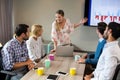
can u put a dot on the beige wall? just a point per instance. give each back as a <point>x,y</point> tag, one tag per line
<point>43,11</point>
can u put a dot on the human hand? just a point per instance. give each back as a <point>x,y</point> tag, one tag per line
<point>81,60</point>
<point>53,50</point>
<point>29,62</point>
<point>31,66</point>
<point>84,20</point>
<point>84,56</point>
<point>88,77</point>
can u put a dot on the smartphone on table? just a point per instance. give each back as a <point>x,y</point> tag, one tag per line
<point>52,77</point>
<point>61,73</point>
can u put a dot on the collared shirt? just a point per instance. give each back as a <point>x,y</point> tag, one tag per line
<point>108,62</point>
<point>101,39</point>
<point>13,52</point>
<point>35,48</point>
<point>62,36</point>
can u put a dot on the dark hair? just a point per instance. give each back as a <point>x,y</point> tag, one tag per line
<point>61,12</point>
<point>115,27</point>
<point>21,28</point>
<point>101,27</point>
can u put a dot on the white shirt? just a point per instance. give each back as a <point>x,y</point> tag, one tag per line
<point>35,48</point>
<point>108,62</point>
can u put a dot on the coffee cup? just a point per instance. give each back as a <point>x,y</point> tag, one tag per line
<point>47,63</point>
<point>72,71</point>
<point>76,57</point>
<point>40,71</point>
<point>51,57</point>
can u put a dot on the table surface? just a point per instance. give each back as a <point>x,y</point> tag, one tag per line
<point>59,64</point>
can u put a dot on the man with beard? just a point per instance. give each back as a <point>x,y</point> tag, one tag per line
<point>15,54</point>
<point>110,56</point>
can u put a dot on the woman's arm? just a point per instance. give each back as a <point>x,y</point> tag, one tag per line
<point>54,36</point>
<point>55,44</point>
<point>82,21</point>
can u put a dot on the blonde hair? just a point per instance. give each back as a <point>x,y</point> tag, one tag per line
<point>58,27</point>
<point>35,29</point>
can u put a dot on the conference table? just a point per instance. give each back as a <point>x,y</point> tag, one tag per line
<point>58,64</point>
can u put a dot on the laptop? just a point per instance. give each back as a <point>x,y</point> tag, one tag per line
<point>64,51</point>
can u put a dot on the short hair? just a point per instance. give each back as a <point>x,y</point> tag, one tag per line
<point>115,27</point>
<point>61,12</point>
<point>21,28</point>
<point>35,28</point>
<point>101,27</point>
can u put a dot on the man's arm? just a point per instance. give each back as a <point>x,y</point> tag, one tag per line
<point>8,59</point>
<point>91,61</point>
<point>21,64</point>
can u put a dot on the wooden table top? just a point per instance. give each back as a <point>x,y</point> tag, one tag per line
<point>59,64</point>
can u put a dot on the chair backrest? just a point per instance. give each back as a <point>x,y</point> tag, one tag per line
<point>117,73</point>
<point>6,75</point>
<point>1,67</point>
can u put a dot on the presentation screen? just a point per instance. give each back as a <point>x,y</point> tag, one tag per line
<point>102,11</point>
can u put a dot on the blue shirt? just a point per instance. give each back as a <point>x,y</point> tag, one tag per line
<point>13,52</point>
<point>97,54</point>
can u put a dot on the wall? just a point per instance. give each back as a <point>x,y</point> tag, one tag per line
<point>43,11</point>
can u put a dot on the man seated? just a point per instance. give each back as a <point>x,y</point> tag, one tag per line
<point>15,53</point>
<point>92,58</point>
<point>110,56</point>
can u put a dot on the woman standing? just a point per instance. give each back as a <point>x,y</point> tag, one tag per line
<point>61,29</point>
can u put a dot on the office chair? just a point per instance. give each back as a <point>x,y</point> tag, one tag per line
<point>6,74</point>
<point>117,73</point>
